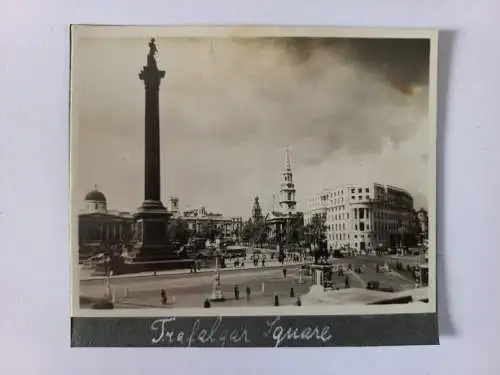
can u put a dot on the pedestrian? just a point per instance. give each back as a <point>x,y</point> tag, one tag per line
<point>292,293</point>
<point>248,293</point>
<point>276,300</point>
<point>206,304</point>
<point>347,285</point>
<point>163,294</point>
<point>263,262</point>
<point>236,292</point>
<point>299,302</point>
<point>284,272</point>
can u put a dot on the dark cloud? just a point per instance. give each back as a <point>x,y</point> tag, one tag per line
<point>229,106</point>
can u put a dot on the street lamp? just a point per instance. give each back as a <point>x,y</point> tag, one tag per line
<point>107,260</point>
<point>217,294</point>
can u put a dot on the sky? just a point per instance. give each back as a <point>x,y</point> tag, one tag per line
<point>349,110</point>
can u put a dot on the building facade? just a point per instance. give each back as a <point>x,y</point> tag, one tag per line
<point>318,206</point>
<point>100,229</point>
<point>197,219</point>
<point>363,217</point>
<point>423,224</point>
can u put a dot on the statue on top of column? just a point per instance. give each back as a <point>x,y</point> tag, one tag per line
<point>152,53</point>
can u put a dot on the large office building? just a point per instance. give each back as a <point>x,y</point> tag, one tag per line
<point>363,217</point>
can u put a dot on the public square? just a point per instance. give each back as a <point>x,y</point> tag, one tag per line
<point>190,290</point>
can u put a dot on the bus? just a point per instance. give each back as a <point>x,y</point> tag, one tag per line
<point>235,252</point>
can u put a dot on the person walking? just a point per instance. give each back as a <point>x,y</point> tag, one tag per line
<point>347,284</point>
<point>284,272</point>
<point>163,294</point>
<point>236,292</point>
<point>248,293</point>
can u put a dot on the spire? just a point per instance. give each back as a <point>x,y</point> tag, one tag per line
<point>288,166</point>
<point>287,191</point>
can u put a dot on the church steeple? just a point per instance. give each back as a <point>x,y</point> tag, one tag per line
<point>287,192</point>
<point>287,160</point>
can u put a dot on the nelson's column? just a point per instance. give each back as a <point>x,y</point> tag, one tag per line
<point>152,250</point>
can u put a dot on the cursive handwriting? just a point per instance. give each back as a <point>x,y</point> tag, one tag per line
<point>280,334</point>
<point>196,334</point>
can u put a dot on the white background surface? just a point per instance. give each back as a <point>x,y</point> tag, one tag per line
<point>34,274</point>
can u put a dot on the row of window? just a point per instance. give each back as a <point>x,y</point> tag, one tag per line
<point>367,245</point>
<point>346,236</point>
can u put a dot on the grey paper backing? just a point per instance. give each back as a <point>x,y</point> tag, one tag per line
<point>345,330</point>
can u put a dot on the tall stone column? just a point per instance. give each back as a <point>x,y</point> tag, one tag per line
<point>152,77</point>
<point>152,216</point>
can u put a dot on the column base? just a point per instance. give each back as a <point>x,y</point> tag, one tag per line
<point>152,206</point>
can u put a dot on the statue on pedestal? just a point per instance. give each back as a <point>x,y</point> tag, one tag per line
<point>152,53</point>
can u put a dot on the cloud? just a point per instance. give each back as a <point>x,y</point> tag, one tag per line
<point>229,107</point>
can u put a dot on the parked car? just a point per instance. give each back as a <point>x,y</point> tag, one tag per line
<point>373,285</point>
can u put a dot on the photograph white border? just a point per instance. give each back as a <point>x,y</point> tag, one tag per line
<point>100,31</point>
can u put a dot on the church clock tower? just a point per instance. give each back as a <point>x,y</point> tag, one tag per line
<point>287,192</point>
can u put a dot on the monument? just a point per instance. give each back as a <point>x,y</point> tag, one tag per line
<point>152,250</point>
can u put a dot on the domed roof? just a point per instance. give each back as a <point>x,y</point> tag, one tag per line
<point>95,195</point>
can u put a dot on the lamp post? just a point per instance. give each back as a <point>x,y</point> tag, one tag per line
<point>107,260</point>
<point>217,294</point>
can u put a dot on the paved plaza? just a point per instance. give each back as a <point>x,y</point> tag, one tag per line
<point>187,290</point>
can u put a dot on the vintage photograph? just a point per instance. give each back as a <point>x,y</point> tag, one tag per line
<point>252,171</point>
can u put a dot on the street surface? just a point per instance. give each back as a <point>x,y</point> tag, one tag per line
<point>191,289</point>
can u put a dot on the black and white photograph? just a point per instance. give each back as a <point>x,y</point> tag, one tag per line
<point>247,171</point>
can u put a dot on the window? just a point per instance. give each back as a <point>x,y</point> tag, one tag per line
<point>361,213</point>
<point>362,226</point>
<point>367,197</point>
<point>367,227</point>
<point>352,197</point>
<point>355,227</point>
<point>359,197</point>
<point>347,215</point>
<point>367,190</point>
<point>360,190</point>
<point>353,191</point>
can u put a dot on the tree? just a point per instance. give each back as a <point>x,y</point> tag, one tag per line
<point>248,232</point>
<point>316,234</point>
<point>178,231</point>
<point>209,230</point>
<point>295,232</point>
<point>260,232</point>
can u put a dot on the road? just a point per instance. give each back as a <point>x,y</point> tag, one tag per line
<point>190,290</point>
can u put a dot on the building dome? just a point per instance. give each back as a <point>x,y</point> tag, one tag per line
<point>96,196</point>
<point>96,202</point>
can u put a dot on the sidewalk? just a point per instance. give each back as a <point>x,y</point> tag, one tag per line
<point>269,265</point>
